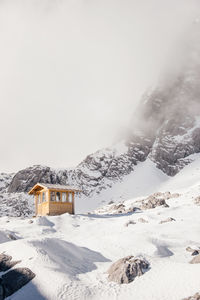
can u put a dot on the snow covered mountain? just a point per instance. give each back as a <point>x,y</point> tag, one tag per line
<point>165,129</point>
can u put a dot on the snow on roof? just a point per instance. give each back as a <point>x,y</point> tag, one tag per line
<point>58,186</point>
<point>53,186</point>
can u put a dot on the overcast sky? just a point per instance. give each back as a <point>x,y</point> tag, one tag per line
<point>72,72</point>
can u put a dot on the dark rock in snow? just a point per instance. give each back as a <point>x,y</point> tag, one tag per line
<point>126,269</point>
<point>194,252</point>
<point>14,280</point>
<point>6,263</point>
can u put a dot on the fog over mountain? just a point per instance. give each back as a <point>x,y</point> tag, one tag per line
<point>72,72</point>
<point>165,129</point>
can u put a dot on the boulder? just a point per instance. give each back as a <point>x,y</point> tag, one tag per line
<point>153,202</point>
<point>14,280</point>
<point>6,263</point>
<point>126,269</point>
<point>195,252</point>
<point>118,208</point>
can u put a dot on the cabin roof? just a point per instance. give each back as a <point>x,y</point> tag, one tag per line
<point>39,186</point>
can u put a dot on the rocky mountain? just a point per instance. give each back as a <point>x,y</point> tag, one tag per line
<point>167,130</point>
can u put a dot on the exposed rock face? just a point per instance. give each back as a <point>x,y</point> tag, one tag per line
<point>25,179</point>
<point>126,269</point>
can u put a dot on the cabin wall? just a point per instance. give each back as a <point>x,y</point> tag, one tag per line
<point>58,208</point>
<point>42,208</point>
<point>44,205</point>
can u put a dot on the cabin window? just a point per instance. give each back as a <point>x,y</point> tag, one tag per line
<point>53,197</point>
<point>38,198</point>
<point>58,197</point>
<point>70,197</point>
<point>64,197</point>
<point>43,197</point>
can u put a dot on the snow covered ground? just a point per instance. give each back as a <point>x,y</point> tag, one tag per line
<point>70,255</point>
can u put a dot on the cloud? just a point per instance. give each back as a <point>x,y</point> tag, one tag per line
<point>72,72</point>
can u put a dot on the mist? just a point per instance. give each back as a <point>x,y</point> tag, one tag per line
<point>72,72</point>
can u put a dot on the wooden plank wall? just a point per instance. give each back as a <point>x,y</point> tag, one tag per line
<point>53,207</point>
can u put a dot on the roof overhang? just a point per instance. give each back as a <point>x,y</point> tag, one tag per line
<point>38,187</point>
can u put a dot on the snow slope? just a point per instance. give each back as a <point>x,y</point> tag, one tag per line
<point>70,255</point>
<point>145,180</point>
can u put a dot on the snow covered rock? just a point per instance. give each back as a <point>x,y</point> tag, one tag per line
<point>196,260</point>
<point>16,205</point>
<point>193,251</point>
<point>167,220</point>
<point>126,269</point>
<point>130,222</point>
<point>197,200</point>
<point>142,220</point>
<point>195,297</point>
<point>5,180</point>
<point>152,202</point>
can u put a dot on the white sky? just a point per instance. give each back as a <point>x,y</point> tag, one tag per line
<point>72,71</point>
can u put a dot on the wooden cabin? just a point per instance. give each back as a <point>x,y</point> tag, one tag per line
<point>53,199</point>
